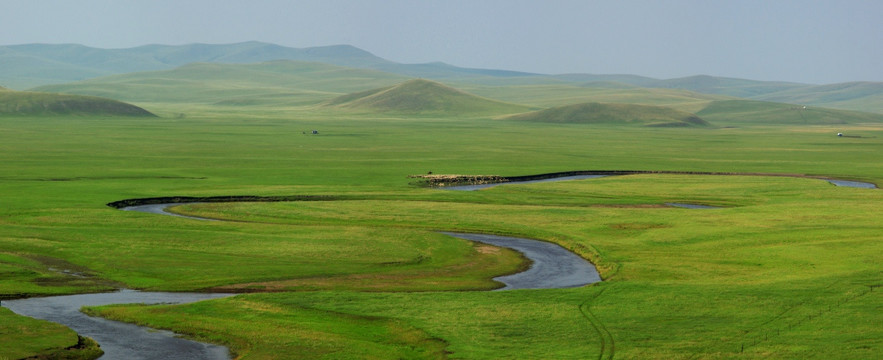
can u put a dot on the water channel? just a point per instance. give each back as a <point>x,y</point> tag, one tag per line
<point>552,267</point>
<point>121,340</point>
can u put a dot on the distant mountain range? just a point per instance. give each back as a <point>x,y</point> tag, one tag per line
<point>32,65</point>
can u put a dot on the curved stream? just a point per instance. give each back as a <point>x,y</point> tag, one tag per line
<point>552,267</point>
<point>121,340</point>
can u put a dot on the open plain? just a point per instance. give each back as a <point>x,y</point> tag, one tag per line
<point>355,266</point>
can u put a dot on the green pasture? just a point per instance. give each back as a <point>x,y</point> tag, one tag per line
<point>786,261</point>
<point>787,268</point>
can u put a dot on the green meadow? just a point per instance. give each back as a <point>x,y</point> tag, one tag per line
<point>786,267</point>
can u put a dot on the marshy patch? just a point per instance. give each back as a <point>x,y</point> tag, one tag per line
<point>443,180</point>
<point>638,226</point>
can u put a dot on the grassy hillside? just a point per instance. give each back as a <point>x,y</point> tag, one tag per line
<point>856,96</point>
<point>546,95</point>
<point>627,114</point>
<point>725,86</point>
<point>769,113</point>
<point>421,97</point>
<point>274,83</point>
<point>26,103</point>
<point>31,65</point>
<point>861,96</point>
<point>290,83</point>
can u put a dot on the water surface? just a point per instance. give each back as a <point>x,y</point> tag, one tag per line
<point>553,267</point>
<point>855,184</point>
<point>692,206</point>
<point>121,340</point>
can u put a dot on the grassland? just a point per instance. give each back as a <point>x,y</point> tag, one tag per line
<point>789,268</point>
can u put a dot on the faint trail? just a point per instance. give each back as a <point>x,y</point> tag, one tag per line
<point>784,323</point>
<point>608,346</point>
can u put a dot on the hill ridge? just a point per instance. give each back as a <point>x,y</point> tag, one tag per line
<point>26,66</point>
<point>612,113</point>
<point>421,96</point>
<point>29,103</point>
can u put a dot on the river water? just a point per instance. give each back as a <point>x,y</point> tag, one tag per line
<point>553,267</point>
<point>120,340</point>
<point>855,184</point>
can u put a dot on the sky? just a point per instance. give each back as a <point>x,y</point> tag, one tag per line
<point>806,41</point>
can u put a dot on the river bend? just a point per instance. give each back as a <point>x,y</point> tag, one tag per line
<point>552,267</point>
<point>121,340</point>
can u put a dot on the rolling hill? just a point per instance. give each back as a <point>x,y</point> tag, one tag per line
<point>598,113</point>
<point>771,113</point>
<point>26,103</point>
<point>281,82</point>
<point>421,96</point>
<point>285,83</point>
<point>860,96</point>
<point>30,65</point>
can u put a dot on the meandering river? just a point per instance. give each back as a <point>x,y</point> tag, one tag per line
<point>552,267</point>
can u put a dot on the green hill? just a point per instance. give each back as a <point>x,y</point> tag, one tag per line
<point>35,103</point>
<point>278,83</point>
<point>725,86</point>
<point>422,96</point>
<point>861,96</point>
<point>598,113</point>
<point>770,113</point>
<point>30,65</point>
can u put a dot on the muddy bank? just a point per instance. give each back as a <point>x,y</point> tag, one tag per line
<point>121,340</point>
<point>692,206</point>
<point>161,209</point>
<point>214,199</point>
<point>485,186</point>
<point>463,180</point>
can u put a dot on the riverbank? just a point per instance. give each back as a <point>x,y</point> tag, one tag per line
<point>441,180</point>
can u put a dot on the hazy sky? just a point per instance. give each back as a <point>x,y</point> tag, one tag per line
<point>789,40</point>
